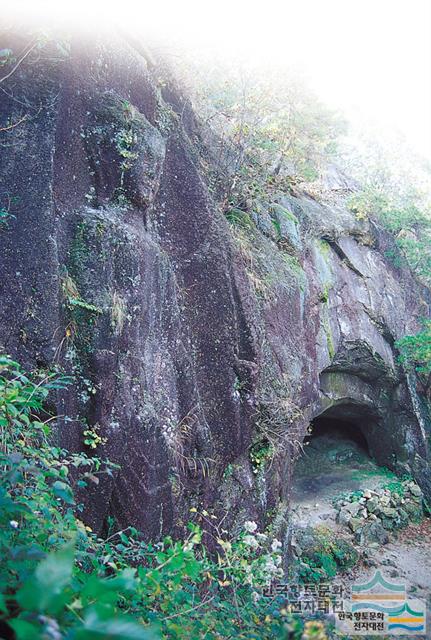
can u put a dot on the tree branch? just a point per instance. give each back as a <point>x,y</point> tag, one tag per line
<point>18,63</point>
<point>15,124</point>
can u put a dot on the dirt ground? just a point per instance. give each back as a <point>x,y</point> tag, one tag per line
<point>331,468</point>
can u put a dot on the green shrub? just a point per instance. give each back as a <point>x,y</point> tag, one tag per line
<point>268,131</point>
<point>406,218</point>
<point>260,453</point>
<point>59,580</point>
<point>415,354</point>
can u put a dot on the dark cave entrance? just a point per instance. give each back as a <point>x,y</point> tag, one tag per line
<point>339,443</point>
<point>337,429</point>
<point>337,456</point>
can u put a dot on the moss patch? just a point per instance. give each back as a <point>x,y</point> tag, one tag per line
<point>321,554</point>
<point>328,333</point>
<point>280,210</point>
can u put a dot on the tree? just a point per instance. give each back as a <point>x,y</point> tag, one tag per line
<point>268,131</point>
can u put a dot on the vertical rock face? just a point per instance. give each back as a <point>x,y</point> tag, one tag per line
<point>117,265</point>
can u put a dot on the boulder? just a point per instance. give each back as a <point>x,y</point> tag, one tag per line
<point>344,517</point>
<point>355,524</point>
<point>375,533</point>
<point>353,508</point>
<point>415,490</point>
<point>372,504</point>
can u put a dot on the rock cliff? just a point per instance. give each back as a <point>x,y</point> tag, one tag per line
<point>201,349</point>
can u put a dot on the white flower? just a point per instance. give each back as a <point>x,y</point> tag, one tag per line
<point>14,524</point>
<point>271,568</point>
<point>269,565</point>
<point>251,541</point>
<point>255,596</point>
<point>250,526</point>
<point>276,545</point>
<point>261,537</point>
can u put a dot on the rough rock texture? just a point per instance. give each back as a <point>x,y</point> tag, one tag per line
<point>373,513</point>
<point>187,337</point>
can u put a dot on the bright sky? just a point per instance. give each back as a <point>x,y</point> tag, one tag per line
<point>368,58</point>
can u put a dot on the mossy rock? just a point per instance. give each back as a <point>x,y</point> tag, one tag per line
<point>323,555</point>
<point>286,226</point>
<point>125,151</point>
<point>345,554</point>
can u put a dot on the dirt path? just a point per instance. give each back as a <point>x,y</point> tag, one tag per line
<point>406,559</point>
<point>330,469</point>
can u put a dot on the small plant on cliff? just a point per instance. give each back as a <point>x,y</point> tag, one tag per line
<point>73,297</point>
<point>5,218</point>
<point>260,453</point>
<point>82,318</point>
<point>92,437</point>
<point>415,354</point>
<point>278,417</point>
<point>118,313</point>
<point>126,140</point>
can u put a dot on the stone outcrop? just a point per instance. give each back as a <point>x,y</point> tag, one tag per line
<point>192,341</point>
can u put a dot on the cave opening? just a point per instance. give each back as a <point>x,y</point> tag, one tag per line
<point>337,429</point>
<point>336,457</point>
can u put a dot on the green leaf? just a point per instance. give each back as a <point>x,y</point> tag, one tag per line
<point>94,628</point>
<point>3,606</point>
<point>63,491</point>
<point>24,630</point>
<point>192,568</point>
<point>44,591</point>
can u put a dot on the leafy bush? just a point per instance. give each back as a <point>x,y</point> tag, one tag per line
<point>410,226</point>
<point>415,354</point>
<point>59,580</point>
<point>267,131</point>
